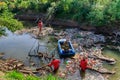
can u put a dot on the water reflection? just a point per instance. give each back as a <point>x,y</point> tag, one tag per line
<point>18,46</point>
<point>116,55</point>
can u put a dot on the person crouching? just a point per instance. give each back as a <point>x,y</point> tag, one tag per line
<point>55,63</point>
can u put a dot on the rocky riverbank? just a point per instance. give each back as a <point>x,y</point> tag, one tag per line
<point>34,31</point>
<point>86,43</point>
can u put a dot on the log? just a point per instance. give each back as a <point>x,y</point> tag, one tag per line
<point>19,65</point>
<point>105,71</point>
<point>105,59</point>
<point>112,63</point>
<point>28,71</point>
<point>44,55</point>
<point>37,69</point>
<point>41,55</point>
<point>110,60</point>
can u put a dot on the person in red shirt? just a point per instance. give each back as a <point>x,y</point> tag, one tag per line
<point>83,66</point>
<point>40,25</point>
<point>55,63</point>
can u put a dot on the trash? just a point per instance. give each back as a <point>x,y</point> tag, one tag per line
<point>68,62</point>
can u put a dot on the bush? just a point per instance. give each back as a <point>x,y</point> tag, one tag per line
<point>112,12</point>
<point>95,12</point>
<point>9,22</point>
<point>3,6</point>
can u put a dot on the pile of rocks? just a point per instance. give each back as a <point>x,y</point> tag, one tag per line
<point>82,38</point>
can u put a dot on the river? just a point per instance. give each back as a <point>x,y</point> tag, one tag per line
<point>18,46</point>
<point>116,55</point>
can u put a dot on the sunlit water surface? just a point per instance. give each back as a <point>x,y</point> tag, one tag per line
<point>116,67</point>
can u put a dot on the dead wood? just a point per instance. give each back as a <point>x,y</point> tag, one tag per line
<point>102,71</point>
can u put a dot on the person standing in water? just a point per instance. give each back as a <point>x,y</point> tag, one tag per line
<point>40,25</point>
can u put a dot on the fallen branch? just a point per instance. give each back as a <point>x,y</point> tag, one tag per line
<point>102,71</point>
<point>37,69</point>
<point>42,55</point>
<point>105,59</point>
<point>27,71</point>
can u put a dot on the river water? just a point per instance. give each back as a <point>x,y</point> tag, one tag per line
<point>18,46</point>
<point>116,55</point>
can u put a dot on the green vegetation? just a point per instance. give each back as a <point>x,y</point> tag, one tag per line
<point>7,18</point>
<point>14,75</point>
<point>50,77</point>
<point>92,12</point>
<point>9,22</point>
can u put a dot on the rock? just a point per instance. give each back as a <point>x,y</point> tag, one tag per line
<point>19,64</point>
<point>1,55</point>
<point>75,45</point>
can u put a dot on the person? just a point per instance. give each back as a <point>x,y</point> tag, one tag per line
<point>83,66</point>
<point>55,63</point>
<point>40,25</point>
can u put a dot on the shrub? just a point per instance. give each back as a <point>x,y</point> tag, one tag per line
<point>9,22</point>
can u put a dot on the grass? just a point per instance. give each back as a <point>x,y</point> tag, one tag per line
<point>51,77</point>
<point>15,75</point>
<point>32,78</point>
